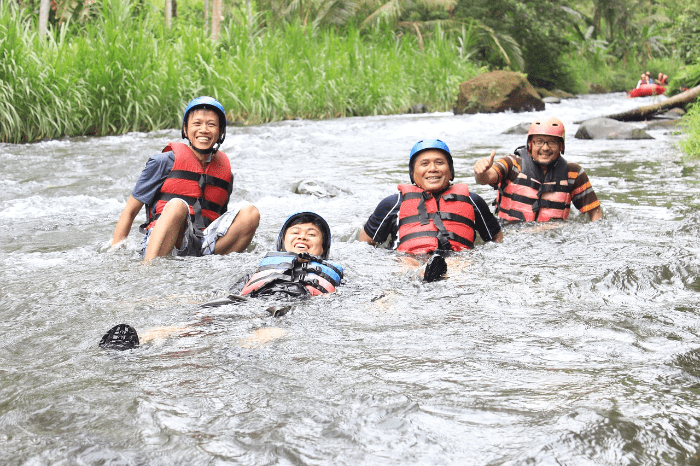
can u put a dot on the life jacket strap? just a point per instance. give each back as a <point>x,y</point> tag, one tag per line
<point>423,211</point>
<point>436,234</point>
<point>441,215</point>
<point>456,197</point>
<point>206,178</point>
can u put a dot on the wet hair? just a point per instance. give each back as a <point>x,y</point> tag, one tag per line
<point>307,218</point>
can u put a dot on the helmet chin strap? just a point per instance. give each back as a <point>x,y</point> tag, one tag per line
<point>211,150</point>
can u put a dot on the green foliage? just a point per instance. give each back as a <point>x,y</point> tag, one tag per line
<point>36,94</point>
<point>691,122</point>
<point>126,72</point>
<point>536,27</point>
<point>686,78</point>
<point>111,66</point>
<point>686,34</point>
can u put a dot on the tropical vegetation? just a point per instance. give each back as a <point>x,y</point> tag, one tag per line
<point>112,66</point>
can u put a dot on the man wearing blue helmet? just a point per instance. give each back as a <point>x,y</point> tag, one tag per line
<point>432,215</point>
<point>186,191</point>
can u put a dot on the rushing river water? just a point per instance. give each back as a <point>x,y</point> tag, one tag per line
<point>572,345</point>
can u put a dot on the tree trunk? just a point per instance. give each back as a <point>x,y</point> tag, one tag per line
<point>206,14</point>
<point>168,13</point>
<point>215,20</point>
<point>596,20</point>
<point>642,113</point>
<point>44,17</point>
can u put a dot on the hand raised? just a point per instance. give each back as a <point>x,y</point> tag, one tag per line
<point>483,165</point>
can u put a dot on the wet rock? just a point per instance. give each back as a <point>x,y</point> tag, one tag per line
<point>563,94</point>
<point>554,93</point>
<point>497,92</point>
<point>675,113</point>
<point>662,124</point>
<point>551,100</point>
<point>317,188</point>
<point>522,128</point>
<point>607,128</point>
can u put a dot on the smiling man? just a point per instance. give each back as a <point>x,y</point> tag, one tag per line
<point>536,183</point>
<point>432,214</point>
<point>186,191</point>
<point>300,267</point>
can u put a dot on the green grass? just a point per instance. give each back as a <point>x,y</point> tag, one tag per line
<point>691,123</point>
<point>596,71</point>
<point>123,72</point>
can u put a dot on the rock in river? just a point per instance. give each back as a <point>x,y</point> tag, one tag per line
<point>496,92</point>
<point>607,128</point>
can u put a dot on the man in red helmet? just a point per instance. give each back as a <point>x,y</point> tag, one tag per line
<point>186,190</point>
<point>537,183</point>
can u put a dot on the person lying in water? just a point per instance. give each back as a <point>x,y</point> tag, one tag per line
<point>431,215</point>
<point>298,268</point>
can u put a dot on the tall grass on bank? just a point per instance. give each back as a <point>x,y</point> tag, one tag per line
<point>124,72</point>
<point>595,71</point>
<point>690,144</point>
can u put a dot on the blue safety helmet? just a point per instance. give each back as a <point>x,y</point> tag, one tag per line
<point>207,103</point>
<point>426,144</point>
<point>307,217</point>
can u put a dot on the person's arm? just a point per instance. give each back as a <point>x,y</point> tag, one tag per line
<point>583,196</point>
<point>146,188</point>
<point>365,238</point>
<point>484,173</point>
<point>485,223</point>
<point>126,219</point>
<point>595,214</point>
<point>382,223</point>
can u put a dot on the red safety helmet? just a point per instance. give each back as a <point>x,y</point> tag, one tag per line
<point>548,127</point>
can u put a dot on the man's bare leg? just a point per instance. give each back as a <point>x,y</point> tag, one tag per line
<point>168,231</point>
<point>240,233</point>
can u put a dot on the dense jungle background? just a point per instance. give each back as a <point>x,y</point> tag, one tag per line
<point>106,67</point>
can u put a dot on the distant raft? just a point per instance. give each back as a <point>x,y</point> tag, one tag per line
<point>646,90</point>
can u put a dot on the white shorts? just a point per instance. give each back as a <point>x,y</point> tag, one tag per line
<point>212,233</point>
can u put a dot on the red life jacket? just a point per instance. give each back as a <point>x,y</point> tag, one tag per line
<point>533,196</point>
<point>185,181</point>
<point>427,224</point>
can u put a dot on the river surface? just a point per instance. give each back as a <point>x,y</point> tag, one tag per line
<point>572,345</point>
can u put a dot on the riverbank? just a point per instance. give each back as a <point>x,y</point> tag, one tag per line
<point>124,72</point>
<point>127,73</point>
<point>691,126</point>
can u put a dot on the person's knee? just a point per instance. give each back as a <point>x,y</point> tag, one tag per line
<point>249,216</point>
<point>176,208</point>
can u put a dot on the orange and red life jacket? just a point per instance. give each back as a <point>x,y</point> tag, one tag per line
<point>427,223</point>
<point>534,196</point>
<point>186,181</point>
